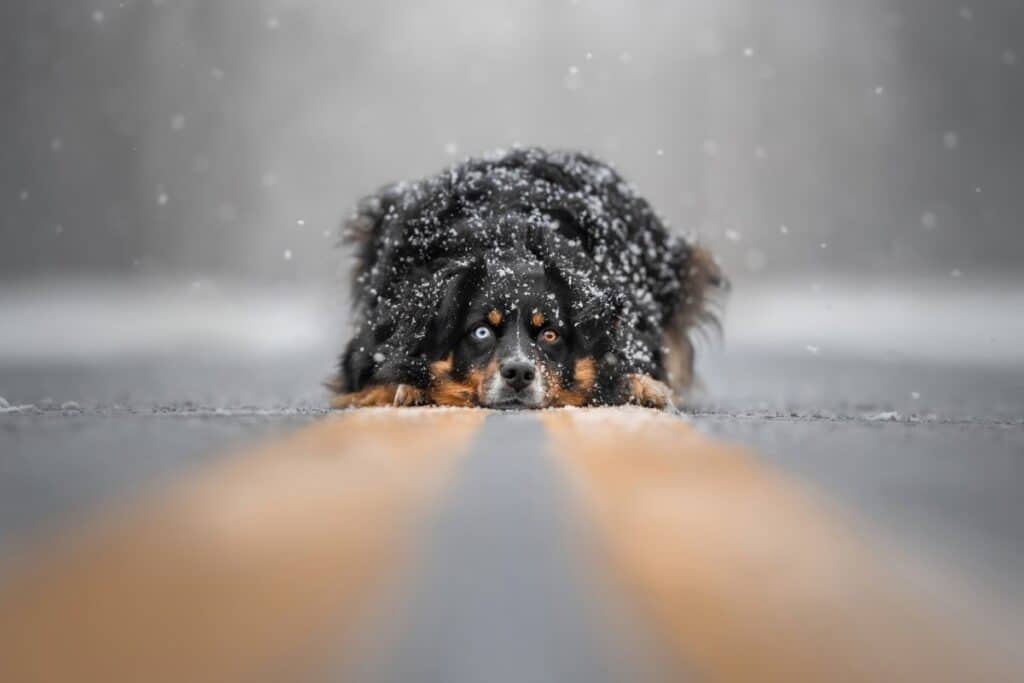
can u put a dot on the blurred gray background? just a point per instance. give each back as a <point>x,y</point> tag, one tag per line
<point>228,137</point>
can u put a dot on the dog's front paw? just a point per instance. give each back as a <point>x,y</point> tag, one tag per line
<point>646,391</point>
<point>378,395</point>
<point>408,395</point>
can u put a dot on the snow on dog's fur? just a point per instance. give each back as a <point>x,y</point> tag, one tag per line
<point>527,278</point>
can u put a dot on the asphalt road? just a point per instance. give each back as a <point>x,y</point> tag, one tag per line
<point>475,565</point>
<point>911,424</point>
<point>931,457</point>
<point>928,457</point>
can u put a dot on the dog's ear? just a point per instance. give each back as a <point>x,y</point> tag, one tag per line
<point>596,308</point>
<point>702,282</point>
<point>360,232</point>
<point>378,219</point>
<point>701,286</point>
<point>455,279</point>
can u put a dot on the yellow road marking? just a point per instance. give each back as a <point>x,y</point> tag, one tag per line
<point>747,575</point>
<point>240,573</point>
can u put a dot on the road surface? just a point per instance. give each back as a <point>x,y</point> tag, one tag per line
<point>924,454</point>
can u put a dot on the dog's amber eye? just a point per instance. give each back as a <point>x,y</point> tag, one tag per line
<point>482,332</point>
<point>549,336</point>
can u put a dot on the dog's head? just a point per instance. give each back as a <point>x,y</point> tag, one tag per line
<point>504,338</point>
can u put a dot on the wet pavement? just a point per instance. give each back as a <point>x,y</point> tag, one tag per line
<point>927,452</point>
<point>931,457</point>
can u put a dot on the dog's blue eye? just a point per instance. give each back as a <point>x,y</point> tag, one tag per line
<point>482,332</point>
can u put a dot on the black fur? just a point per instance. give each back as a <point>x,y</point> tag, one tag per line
<point>424,249</point>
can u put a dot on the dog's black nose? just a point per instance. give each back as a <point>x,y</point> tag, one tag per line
<point>517,374</point>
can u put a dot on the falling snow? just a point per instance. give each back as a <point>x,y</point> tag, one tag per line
<point>573,79</point>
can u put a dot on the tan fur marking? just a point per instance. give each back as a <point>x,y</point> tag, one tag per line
<point>646,391</point>
<point>377,395</point>
<point>452,392</point>
<point>440,368</point>
<point>494,317</point>
<point>585,373</point>
<point>408,395</point>
<point>701,279</point>
<point>446,391</point>
<point>679,359</point>
<point>537,319</point>
<point>561,397</point>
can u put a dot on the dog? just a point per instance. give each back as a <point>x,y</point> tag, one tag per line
<point>523,279</point>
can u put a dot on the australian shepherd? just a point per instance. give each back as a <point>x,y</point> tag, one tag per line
<point>523,279</point>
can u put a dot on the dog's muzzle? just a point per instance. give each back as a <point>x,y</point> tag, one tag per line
<point>517,384</point>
